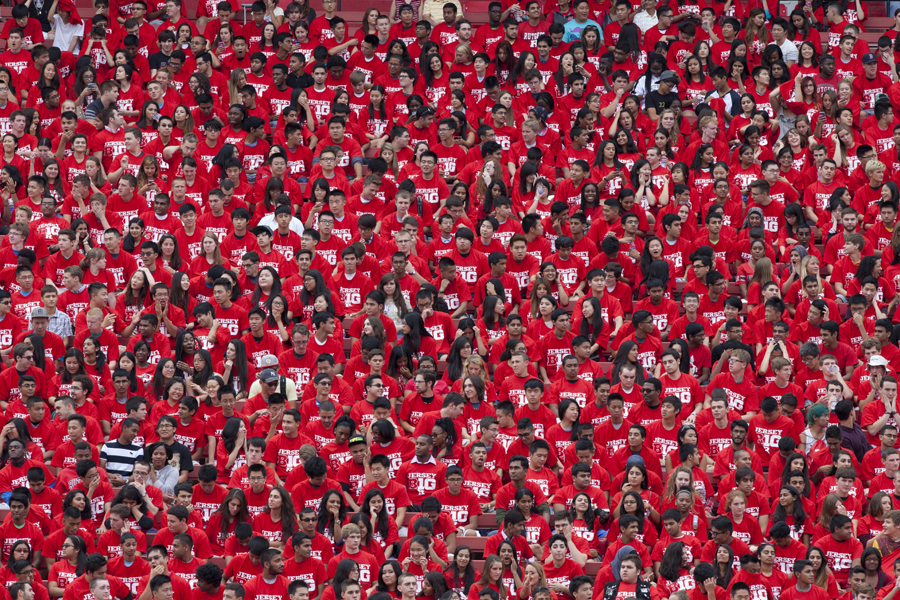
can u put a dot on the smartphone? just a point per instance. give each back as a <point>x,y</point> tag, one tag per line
<point>821,114</point>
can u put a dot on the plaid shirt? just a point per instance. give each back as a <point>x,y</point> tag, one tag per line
<point>60,324</point>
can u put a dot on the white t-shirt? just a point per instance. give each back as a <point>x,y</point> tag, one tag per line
<point>65,33</point>
<point>788,50</point>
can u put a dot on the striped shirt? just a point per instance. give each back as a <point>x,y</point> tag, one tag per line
<point>120,458</point>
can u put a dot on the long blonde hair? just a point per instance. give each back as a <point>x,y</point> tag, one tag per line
<point>762,272</point>
<point>675,132</point>
<point>89,256</point>
<point>468,49</point>
<point>474,359</point>
<point>804,272</point>
<point>393,164</point>
<point>837,132</point>
<point>233,86</point>
<point>481,188</point>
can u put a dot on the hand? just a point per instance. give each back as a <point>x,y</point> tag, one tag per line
<point>109,319</point>
<point>710,585</point>
<point>124,162</point>
<point>182,366</point>
<point>405,563</point>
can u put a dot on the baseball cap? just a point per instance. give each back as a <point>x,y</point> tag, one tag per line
<point>261,229</point>
<point>868,58</point>
<point>39,313</point>
<point>268,375</point>
<point>269,360</point>
<point>634,460</point>
<point>669,76</point>
<point>357,439</point>
<point>540,112</point>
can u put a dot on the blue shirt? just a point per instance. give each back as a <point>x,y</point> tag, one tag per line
<point>574,29</point>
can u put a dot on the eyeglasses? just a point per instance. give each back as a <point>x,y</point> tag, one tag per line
<point>29,357</point>
<point>308,520</point>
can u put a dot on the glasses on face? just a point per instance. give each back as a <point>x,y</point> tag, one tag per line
<point>308,520</point>
<point>377,385</point>
<point>29,357</point>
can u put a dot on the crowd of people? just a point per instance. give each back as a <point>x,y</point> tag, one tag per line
<point>571,300</point>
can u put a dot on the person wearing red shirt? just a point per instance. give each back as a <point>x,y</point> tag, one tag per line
<point>555,345</point>
<point>159,561</point>
<point>422,475</point>
<point>304,566</point>
<point>351,286</point>
<point>18,527</point>
<point>841,548</point>
<point>177,520</point>
<point>742,393</point>
<point>569,385</point>
<point>806,588</point>
<point>537,412</point>
<point>767,428</point>
<point>368,565</point>
<point>459,502</point>
<point>636,445</point>
<point>283,451</point>
<point>271,583</point>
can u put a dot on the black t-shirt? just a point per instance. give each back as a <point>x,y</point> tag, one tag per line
<point>180,451</point>
<point>660,101</point>
<point>158,60</point>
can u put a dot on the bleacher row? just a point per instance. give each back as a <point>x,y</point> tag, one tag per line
<point>475,11</point>
<point>485,522</point>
